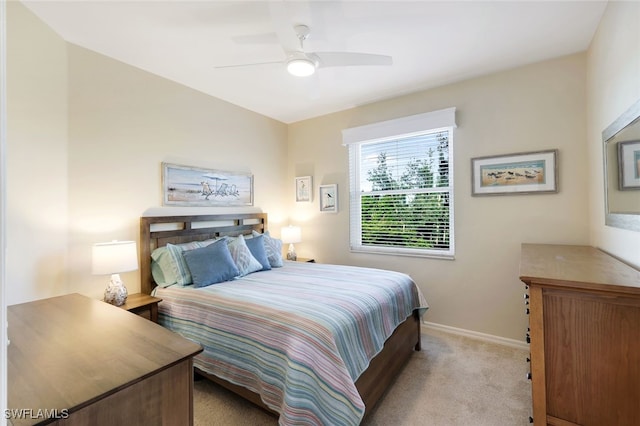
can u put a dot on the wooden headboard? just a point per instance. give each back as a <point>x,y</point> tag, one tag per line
<point>158,231</point>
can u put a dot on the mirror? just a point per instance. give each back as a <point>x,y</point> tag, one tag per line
<point>621,142</point>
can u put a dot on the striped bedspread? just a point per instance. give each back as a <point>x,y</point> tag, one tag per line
<point>299,335</point>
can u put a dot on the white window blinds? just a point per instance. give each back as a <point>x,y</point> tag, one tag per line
<point>401,189</point>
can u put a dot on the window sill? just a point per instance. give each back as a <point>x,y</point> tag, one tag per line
<point>407,253</point>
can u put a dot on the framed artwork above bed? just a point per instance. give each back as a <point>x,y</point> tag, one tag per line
<point>195,186</point>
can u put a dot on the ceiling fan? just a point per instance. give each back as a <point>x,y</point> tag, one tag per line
<point>301,63</point>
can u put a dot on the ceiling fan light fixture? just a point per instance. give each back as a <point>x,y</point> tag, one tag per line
<point>301,67</point>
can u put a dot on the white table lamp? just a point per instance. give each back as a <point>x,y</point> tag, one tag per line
<point>111,259</point>
<point>291,235</point>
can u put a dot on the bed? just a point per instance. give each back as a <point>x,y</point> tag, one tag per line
<point>293,357</point>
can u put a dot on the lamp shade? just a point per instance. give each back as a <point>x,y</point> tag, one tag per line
<point>114,257</point>
<point>291,234</point>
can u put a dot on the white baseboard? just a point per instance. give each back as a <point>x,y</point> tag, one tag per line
<point>476,335</point>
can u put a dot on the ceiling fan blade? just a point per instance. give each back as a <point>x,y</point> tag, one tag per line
<point>248,65</point>
<point>264,38</point>
<point>284,29</point>
<point>341,59</point>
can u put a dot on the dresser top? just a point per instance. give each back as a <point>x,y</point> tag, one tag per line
<point>69,351</point>
<point>578,267</point>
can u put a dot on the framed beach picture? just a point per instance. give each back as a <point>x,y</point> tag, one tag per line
<point>304,189</point>
<point>195,186</point>
<point>521,173</point>
<point>328,195</point>
<point>629,165</point>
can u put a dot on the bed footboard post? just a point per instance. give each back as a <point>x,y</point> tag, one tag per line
<point>416,316</point>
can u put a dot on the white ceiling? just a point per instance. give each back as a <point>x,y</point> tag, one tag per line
<point>432,43</point>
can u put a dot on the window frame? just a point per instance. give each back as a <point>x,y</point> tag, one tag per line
<point>391,131</point>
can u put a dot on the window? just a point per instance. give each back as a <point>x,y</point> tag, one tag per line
<point>401,185</point>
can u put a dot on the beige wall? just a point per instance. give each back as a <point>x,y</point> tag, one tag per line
<point>613,85</point>
<point>37,151</point>
<point>124,123</point>
<point>541,106</point>
<point>87,138</point>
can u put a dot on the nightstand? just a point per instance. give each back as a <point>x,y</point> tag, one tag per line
<point>144,305</point>
<point>306,260</point>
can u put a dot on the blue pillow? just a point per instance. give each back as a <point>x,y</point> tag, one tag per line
<point>256,247</point>
<point>211,264</point>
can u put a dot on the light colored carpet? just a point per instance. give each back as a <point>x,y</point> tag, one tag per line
<point>453,381</point>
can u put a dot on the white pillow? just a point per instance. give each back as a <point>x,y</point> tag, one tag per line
<point>273,247</point>
<point>242,256</point>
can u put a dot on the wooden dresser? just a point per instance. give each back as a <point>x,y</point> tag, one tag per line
<point>73,360</point>
<point>584,325</point>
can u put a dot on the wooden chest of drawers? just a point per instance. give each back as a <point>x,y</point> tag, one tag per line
<point>73,360</point>
<point>585,336</point>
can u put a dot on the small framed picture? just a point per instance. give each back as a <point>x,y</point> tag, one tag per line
<point>629,170</point>
<point>328,195</point>
<point>521,173</point>
<point>304,189</point>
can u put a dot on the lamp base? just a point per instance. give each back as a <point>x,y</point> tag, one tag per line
<point>291,254</point>
<point>115,293</point>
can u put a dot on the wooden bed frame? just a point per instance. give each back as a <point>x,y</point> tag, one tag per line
<point>157,231</point>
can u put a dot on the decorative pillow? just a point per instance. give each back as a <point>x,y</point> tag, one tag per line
<point>168,266</point>
<point>257,249</point>
<point>211,264</point>
<point>180,268</point>
<point>273,248</point>
<point>242,256</point>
